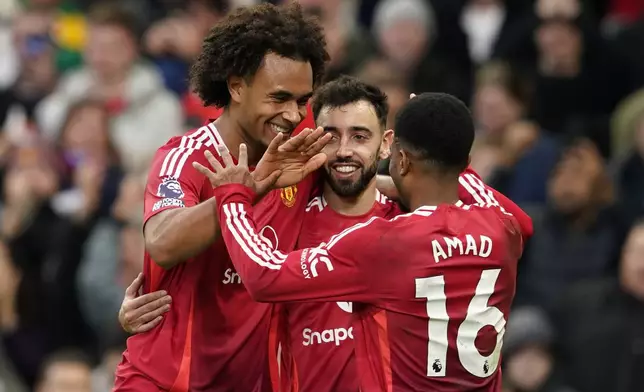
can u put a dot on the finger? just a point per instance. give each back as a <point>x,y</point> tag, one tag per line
<point>148,326</point>
<point>312,138</point>
<point>145,299</point>
<point>294,143</point>
<point>319,145</point>
<point>136,314</point>
<point>243,156</point>
<point>225,156</point>
<point>134,287</point>
<point>277,141</point>
<point>214,162</point>
<point>147,317</point>
<point>205,171</point>
<point>313,164</point>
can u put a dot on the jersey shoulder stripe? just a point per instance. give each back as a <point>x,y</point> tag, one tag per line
<point>175,159</point>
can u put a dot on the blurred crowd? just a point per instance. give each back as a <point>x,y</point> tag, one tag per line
<point>90,89</point>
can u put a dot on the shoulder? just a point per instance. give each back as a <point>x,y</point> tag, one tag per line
<point>171,158</point>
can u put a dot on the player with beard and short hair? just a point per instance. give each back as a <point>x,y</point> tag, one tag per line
<point>318,347</point>
<point>260,64</point>
<point>432,288</point>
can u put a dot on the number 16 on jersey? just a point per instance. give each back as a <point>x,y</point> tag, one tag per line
<point>479,314</point>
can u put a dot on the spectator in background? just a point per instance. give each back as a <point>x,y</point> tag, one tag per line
<point>143,113</point>
<point>28,227</point>
<point>37,76</point>
<point>103,374</point>
<point>174,42</point>
<point>627,134</point>
<point>381,73</point>
<point>576,236</point>
<point>111,260</point>
<point>404,31</point>
<point>578,77</point>
<point>89,187</point>
<point>528,361</point>
<point>349,44</point>
<point>601,326</point>
<point>66,371</point>
<point>514,155</point>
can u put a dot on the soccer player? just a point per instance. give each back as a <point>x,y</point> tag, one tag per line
<point>319,336</point>
<point>433,287</point>
<point>260,64</point>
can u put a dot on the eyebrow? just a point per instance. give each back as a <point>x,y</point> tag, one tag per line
<point>354,128</point>
<point>286,95</point>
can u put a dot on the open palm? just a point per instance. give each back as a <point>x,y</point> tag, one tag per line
<point>294,158</point>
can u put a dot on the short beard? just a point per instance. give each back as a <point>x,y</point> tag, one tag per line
<point>355,188</point>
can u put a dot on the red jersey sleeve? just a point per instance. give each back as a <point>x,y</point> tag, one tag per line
<point>474,191</point>
<point>172,181</point>
<point>330,272</point>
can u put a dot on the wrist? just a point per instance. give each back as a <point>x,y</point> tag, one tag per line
<point>234,192</point>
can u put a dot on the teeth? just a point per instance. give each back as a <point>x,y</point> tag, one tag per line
<point>346,169</point>
<point>278,129</point>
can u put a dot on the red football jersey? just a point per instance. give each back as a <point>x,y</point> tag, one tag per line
<point>319,335</point>
<point>215,337</point>
<point>434,288</point>
<point>473,190</point>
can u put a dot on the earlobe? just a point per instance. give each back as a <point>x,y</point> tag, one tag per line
<point>235,88</point>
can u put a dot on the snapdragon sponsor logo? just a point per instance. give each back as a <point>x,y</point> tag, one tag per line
<point>335,336</point>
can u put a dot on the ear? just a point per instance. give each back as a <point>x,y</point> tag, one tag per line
<point>236,86</point>
<point>385,145</point>
<point>405,163</point>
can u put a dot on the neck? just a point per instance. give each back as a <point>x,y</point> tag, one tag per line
<point>432,192</point>
<point>233,135</point>
<point>351,206</point>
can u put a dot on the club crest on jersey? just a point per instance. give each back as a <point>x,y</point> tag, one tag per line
<point>288,195</point>
<point>170,188</point>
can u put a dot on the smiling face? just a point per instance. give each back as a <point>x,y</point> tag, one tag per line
<point>275,99</point>
<point>359,142</point>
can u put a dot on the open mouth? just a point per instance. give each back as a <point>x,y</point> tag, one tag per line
<point>280,129</point>
<point>345,169</point>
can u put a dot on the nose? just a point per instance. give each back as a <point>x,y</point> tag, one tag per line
<point>344,150</point>
<point>292,114</point>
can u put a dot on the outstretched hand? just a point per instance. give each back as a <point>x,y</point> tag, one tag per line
<point>293,158</point>
<point>229,173</point>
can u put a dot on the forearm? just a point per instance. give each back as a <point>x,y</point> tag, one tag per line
<point>182,233</point>
<point>272,276</point>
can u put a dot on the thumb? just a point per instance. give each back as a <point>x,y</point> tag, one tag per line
<point>133,289</point>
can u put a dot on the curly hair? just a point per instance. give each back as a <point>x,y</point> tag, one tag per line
<point>237,45</point>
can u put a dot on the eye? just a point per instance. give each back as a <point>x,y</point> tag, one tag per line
<point>360,137</point>
<point>302,102</point>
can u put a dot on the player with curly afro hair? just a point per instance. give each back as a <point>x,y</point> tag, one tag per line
<point>260,64</point>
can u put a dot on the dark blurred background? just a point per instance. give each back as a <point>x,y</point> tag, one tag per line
<point>90,89</point>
